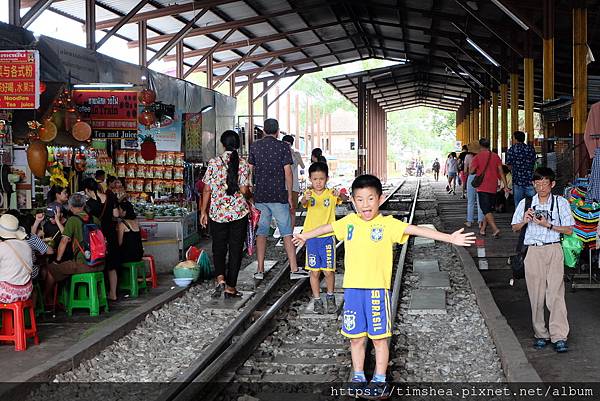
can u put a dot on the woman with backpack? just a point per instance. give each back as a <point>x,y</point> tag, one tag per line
<point>104,207</point>
<point>227,182</point>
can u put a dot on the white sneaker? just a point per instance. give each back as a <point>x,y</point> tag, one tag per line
<point>298,274</point>
<point>259,275</point>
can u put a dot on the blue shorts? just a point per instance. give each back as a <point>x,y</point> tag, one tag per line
<point>281,213</point>
<point>320,254</point>
<point>366,313</point>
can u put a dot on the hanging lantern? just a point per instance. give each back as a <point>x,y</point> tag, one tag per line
<point>81,131</point>
<point>42,87</point>
<point>147,118</point>
<point>37,157</point>
<point>148,148</point>
<point>48,131</point>
<point>147,97</point>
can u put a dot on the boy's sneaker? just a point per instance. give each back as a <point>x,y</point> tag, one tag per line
<point>331,305</point>
<point>318,307</point>
<point>540,343</point>
<point>259,276</point>
<point>356,388</point>
<point>377,391</point>
<point>561,346</point>
<point>298,274</point>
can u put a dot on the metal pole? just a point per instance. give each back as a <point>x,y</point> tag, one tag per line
<point>143,39</point>
<point>90,24</point>
<point>362,151</point>
<point>580,88</point>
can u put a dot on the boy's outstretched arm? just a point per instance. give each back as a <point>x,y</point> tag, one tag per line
<point>300,239</point>
<point>457,238</point>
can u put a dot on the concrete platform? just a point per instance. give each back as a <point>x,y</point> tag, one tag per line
<point>308,311</point>
<point>420,241</point>
<point>426,266</point>
<point>230,303</point>
<point>252,267</point>
<point>424,302</point>
<point>65,341</point>
<point>438,279</point>
<point>581,363</point>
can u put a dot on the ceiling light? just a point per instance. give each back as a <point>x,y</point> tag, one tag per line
<point>206,108</point>
<point>510,14</point>
<point>483,53</point>
<point>470,75</point>
<point>102,85</point>
<point>460,99</point>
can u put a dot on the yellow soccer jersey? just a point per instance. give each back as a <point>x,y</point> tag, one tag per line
<point>321,210</point>
<point>369,249</point>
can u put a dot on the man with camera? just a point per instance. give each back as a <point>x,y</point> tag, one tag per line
<point>548,217</point>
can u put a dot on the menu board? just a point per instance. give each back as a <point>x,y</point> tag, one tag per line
<point>192,123</point>
<point>19,79</point>
<point>111,114</point>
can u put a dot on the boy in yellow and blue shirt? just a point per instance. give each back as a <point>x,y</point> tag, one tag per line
<point>320,203</point>
<point>369,244</point>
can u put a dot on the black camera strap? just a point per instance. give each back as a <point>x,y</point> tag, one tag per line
<point>551,208</point>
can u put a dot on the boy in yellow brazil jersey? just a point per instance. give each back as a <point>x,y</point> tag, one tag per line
<point>369,244</point>
<point>320,203</point>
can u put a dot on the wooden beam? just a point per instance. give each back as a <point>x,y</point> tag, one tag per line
<point>272,84</point>
<point>90,24</point>
<point>494,136</point>
<point>514,103</point>
<point>210,76</point>
<point>179,62</point>
<point>362,128</point>
<point>253,77</point>
<point>124,20</point>
<point>548,50</point>
<point>528,97</point>
<point>207,54</point>
<point>581,158</point>
<point>166,12</point>
<point>178,36</point>
<point>231,86</point>
<point>34,12</point>
<point>14,12</point>
<point>285,90</point>
<point>234,68</point>
<point>503,117</point>
<point>142,50</point>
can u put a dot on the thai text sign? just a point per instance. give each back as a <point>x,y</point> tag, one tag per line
<point>19,79</point>
<point>111,114</point>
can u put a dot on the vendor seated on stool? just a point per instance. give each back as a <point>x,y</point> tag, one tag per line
<point>128,233</point>
<point>548,217</point>
<point>75,264</point>
<point>15,261</point>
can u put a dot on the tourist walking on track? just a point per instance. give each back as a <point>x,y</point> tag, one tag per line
<point>436,169</point>
<point>521,159</point>
<point>488,165</point>
<point>369,239</point>
<point>227,188</point>
<point>545,217</point>
<point>472,202</point>
<point>271,160</point>
<point>452,171</point>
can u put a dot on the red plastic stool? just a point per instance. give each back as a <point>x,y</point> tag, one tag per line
<point>13,324</point>
<point>152,270</point>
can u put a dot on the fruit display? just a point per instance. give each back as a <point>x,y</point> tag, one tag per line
<point>151,211</point>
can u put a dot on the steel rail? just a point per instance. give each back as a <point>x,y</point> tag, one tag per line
<point>219,354</point>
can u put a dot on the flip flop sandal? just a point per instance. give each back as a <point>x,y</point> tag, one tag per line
<point>496,235</point>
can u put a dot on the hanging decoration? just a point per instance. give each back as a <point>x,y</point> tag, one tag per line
<point>57,174</point>
<point>147,118</point>
<point>147,97</point>
<point>81,131</point>
<point>47,132</point>
<point>148,148</point>
<point>37,158</point>
<point>34,127</point>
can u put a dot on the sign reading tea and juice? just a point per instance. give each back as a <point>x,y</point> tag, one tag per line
<point>19,79</point>
<point>111,114</point>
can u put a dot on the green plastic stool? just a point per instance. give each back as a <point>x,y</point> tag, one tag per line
<point>87,291</point>
<point>128,279</point>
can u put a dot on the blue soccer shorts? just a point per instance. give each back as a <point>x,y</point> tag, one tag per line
<point>366,313</point>
<point>320,254</point>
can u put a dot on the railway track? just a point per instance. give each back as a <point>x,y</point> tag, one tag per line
<point>275,345</point>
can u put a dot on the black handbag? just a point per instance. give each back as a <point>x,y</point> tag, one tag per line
<point>478,179</point>
<point>517,262</point>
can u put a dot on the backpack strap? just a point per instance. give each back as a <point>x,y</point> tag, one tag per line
<point>25,264</point>
<point>520,244</point>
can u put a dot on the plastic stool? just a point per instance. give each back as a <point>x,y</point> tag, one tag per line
<point>13,324</point>
<point>128,280</point>
<point>153,278</point>
<point>87,291</point>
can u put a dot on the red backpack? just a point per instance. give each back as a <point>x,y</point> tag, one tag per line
<point>93,246</point>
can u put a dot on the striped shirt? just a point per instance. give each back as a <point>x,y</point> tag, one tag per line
<point>39,246</point>
<point>560,216</point>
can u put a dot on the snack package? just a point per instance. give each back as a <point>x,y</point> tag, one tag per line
<point>178,187</point>
<point>169,158</point>
<point>131,170</point>
<point>178,173</point>
<point>139,185</point>
<point>159,161</point>
<point>140,159</point>
<point>158,172</point>
<point>179,158</point>
<point>147,185</point>
<point>121,170</point>
<point>132,157</point>
<point>130,185</point>
<point>168,172</point>
<point>120,156</point>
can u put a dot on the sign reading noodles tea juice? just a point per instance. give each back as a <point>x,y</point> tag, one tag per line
<point>19,79</point>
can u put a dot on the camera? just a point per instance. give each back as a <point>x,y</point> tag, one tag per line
<point>539,214</point>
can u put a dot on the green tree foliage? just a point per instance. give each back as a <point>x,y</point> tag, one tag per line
<point>420,131</point>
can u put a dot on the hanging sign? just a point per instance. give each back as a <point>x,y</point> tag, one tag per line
<point>111,114</point>
<point>19,79</point>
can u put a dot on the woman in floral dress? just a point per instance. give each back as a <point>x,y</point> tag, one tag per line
<point>227,182</point>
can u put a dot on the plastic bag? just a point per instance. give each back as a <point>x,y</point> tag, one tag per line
<point>253,218</point>
<point>572,246</point>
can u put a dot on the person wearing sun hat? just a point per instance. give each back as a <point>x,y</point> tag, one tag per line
<point>16,263</point>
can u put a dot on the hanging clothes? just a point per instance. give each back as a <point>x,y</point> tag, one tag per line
<point>593,192</point>
<point>592,128</point>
